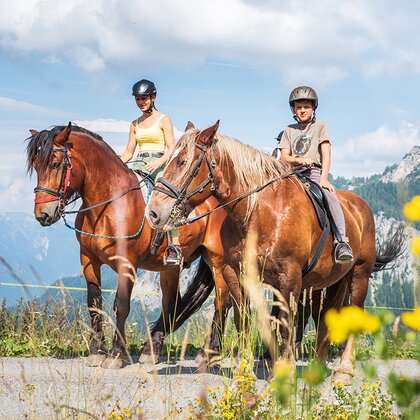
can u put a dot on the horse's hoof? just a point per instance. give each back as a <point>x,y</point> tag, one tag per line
<point>342,379</point>
<point>201,356</point>
<point>148,359</point>
<point>95,360</point>
<point>113,363</point>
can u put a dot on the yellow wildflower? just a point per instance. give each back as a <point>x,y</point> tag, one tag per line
<point>411,209</point>
<point>415,245</point>
<point>412,319</point>
<point>350,320</point>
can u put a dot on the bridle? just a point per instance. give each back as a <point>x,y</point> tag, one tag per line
<point>181,194</point>
<point>58,195</point>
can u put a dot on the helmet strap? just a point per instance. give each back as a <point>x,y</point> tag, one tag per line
<point>150,109</point>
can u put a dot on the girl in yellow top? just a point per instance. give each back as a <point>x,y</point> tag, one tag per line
<point>153,132</point>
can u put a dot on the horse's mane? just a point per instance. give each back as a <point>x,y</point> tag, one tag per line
<point>41,145</point>
<point>252,167</point>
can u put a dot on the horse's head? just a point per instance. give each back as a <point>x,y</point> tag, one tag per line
<point>48,154</point>
<point>187,180</point>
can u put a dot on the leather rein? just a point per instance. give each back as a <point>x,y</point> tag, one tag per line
<point>182,196</point>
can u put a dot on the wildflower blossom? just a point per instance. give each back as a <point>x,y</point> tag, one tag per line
<point>350,320</point>
<point>411,209</point>
<point>412,319</point>
<point>415,245</point>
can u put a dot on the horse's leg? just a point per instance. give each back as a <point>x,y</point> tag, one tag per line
<point>358,284</point>
<point>169,283</point>
<point>288,290</point>
<point>92,273</point>
<point>121,310</point>
<point>222,304</point>
<point>336,296</point>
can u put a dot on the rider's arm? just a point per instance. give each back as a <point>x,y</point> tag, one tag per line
<point>131,145</point>
<point>286,156</point>
<point>326,164</point>
<point>168,131</point>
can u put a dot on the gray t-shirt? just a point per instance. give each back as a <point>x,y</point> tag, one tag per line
<point>305,142</point>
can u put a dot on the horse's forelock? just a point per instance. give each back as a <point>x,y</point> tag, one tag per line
<point>40,145</point>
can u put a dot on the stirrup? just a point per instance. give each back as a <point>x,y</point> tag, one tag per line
<point>173,255</point>
<point>343,253</point>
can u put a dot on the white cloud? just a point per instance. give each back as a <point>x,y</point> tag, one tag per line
<point>106,125</point>
<point>327,37</point>
<point>13,105</point>
<point>370,153</point>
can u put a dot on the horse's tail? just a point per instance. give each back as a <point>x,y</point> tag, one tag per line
<point>196,294</point>
<point>390,250</point>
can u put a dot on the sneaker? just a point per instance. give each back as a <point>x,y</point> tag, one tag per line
<point>343,253</point>
<point>173,255</point>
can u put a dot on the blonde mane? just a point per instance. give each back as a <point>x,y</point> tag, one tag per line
<point>252,167</point>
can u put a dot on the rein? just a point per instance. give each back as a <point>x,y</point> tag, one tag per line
<point>134,235</point>
<point>182,196</point>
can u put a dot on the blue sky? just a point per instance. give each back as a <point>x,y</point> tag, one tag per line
<point>233,60</point>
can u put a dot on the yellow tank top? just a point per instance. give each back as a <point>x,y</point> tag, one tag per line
<point>151,139</point>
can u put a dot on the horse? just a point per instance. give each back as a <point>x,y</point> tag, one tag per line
<point>71,160</point>
<point>263,196</point>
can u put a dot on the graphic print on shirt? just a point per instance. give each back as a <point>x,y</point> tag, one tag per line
<point>301,144</point>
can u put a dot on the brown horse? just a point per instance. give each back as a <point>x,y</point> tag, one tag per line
<point>111,222</point>
<point>280,213</point>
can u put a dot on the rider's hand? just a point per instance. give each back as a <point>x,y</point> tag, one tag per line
<point>152,167</point>
<point>307,162</point>
<point>327,185</point>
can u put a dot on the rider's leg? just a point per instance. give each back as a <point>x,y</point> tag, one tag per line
<point>343,252</point>
<point>173,253</point>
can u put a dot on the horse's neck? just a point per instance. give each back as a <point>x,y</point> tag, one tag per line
<point>229,193</point>
<point>101,175</point>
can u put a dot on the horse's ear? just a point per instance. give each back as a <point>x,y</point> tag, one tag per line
<point>206,137</point>
<point>190,126</point>
<point>33,132</point>
<point>63,135</point>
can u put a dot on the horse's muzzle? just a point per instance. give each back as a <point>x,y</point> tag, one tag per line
<point>45,218</point>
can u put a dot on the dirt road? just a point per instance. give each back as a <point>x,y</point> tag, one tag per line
<point>56,388</point>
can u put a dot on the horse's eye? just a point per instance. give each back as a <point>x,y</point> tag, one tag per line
<point>180,162</point>
<point>55,165</point>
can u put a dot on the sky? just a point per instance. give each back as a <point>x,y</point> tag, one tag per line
<point>233,60</point>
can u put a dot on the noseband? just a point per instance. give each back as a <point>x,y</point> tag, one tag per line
<point>181,194</point>
<point>58,195</point>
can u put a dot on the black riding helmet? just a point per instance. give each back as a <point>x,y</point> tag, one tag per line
<point>144,88</point>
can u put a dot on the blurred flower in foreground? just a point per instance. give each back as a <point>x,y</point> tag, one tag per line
<point>415,245</point>
<point>412,319</point>
<point>411,209</point>
<point>350,320</point>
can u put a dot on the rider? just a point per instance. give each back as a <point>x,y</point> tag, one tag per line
<point>154,134</point>
<point>307,143</point>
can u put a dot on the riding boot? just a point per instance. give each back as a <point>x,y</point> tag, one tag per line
<point>173,255</point>
<point>343,253</point>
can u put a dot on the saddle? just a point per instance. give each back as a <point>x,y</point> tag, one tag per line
<point>317,196</point>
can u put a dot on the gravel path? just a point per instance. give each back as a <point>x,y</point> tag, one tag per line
<point>67,388</point>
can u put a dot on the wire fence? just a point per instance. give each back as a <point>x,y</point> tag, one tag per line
<point>84,289</point>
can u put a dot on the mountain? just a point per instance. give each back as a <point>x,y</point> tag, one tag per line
<point>407,169</point>
<point>386,193</point>
<point>42,256</point>
<point>34,254</point>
